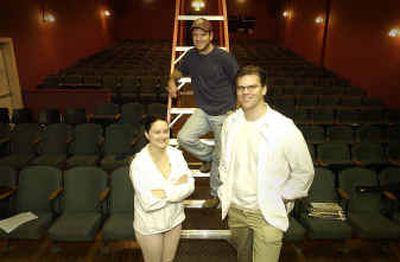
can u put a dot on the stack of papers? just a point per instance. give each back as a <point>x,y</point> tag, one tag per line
<point>11,223</point>
<point>326,210</point>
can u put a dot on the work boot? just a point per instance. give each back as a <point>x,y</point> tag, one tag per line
<point>205,167</point>
<point>212,203</point>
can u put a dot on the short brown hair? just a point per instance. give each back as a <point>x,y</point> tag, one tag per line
<point>252,70</point>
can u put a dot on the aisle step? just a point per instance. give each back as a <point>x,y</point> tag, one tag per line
<point>224,234</point>
<point>204,218</point>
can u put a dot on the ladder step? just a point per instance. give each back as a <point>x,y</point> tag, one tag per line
<point>185,48</point>
<point>208,141</point>
<point>184,80</point>
<point>194,203</point>
<point>182,110</point>
<point>224,234</point>
<point>197,173</point>
<point>194,17</point>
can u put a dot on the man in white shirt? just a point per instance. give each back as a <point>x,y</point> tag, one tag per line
<point>265,166</point>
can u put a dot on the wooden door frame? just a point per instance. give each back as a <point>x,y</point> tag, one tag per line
<point>15,92</point>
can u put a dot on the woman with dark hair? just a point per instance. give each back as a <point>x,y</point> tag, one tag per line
<point>162,180</point>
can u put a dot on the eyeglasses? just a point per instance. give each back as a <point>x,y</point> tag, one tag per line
<point>249,88</point>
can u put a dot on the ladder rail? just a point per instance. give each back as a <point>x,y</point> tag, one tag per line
<point>225,14</point>
<point>173,54</point>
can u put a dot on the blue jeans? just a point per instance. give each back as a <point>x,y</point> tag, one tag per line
<point>196,126</point>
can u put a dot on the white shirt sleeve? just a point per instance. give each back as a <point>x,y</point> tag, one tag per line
<point>143,187</point>
<point>301,166</point>
<point>177,193</point>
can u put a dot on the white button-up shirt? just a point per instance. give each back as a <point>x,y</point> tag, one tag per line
<point>152,214</point>
<point>285,169</point>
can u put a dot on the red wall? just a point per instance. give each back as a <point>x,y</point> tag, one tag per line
<point>265,12</point>
<point>300,33</point>
<point>154,19</point>
<point>144,19</point>
<point>358,47</point>
<point>43,48</point>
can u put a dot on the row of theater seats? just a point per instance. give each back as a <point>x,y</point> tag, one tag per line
<point>366,154</point>
<point>88,144</point>
<point>125,59</point>
<point>64,146</point>
<point>369,201</point>
<point>127,113</point>
<point>72,206</point>
<point>339,116</point>
<point>319,134</point>
<point>68,212</point>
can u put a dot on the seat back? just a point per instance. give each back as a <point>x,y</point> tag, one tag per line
<point>4,115</point>
<point>54,139</point>
<point>49,116</point>
<point>390,176</point>
<point>157,109</point>
<point>132,113</point>
<point>35,185</point>
<point>8,176</point>
<point>334,153</point>
<point>323,188</point>
<point>352,178</point>
<point>121,197</point>
<point>118,139</point>
<point>23,137</point>
<point>22,115</point>
<point>369,153</point>
<point>368,133</point>
<point>82,188</point>
<point>313,134</point>
<point>106,109</point>
<point>86,139</point>
<point>75,116</point>
<point>342,134</point>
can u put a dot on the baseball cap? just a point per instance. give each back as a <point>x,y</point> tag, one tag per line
<point>202,24</point>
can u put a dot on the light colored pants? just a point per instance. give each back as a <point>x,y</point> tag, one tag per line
<point>199,124</point>
<point>254,239</point>
<point>160,247</point>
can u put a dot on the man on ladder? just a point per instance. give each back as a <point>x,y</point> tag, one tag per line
<point>212,71</point>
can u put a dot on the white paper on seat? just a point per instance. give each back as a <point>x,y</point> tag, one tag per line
<point>11,223</point>
<point>326,210</point>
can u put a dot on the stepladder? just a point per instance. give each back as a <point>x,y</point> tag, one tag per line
<point>184,105</point>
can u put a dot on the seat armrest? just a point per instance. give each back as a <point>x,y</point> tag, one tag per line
<point>135,139</point>
<point>6,192</point>
<point>37,141</point>
<point>389,195</point>
<point>117,117</point>
<point>69,140</point>
<point>4,140</point>
<point>343,194</point>
<point>101,141</point>
<point>104,194</point>
<point>53,195</point>
<point>321,163</point>
<point>358,163</point>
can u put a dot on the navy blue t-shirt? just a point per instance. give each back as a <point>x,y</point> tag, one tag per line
<point>212,79</point>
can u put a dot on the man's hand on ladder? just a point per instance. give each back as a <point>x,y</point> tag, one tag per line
<point>172,89</point>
